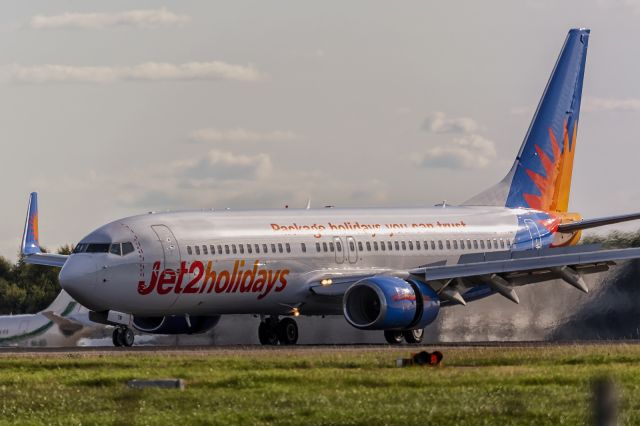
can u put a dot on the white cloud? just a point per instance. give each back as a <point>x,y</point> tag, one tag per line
<point>223,165</point>
<point>611,104</point>
<point>150,71</point>
<point>241,135</point>
<point>151,18</point>
<point>438,122</point>
<point>468,152</point>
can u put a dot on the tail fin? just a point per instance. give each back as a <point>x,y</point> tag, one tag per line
<point>541,174</point>
<point>30,241</point>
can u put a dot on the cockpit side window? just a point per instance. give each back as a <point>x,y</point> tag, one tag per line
<point>115,249</point>
<point>127,248</point>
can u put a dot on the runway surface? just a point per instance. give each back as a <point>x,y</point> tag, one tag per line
<point>249,349</point>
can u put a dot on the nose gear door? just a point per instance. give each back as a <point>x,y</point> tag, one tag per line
<point>170,270</point>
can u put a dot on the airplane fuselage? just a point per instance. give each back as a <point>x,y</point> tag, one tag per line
<point>262,262</point>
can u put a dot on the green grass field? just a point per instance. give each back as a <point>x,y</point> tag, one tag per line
<point>543,385</point>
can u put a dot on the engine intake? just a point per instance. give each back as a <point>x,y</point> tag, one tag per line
<point>175,324</point>
<point>388,303</point>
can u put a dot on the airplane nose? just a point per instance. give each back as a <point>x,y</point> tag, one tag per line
<point>78,278</point>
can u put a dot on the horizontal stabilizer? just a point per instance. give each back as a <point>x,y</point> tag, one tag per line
<point>594,223</point>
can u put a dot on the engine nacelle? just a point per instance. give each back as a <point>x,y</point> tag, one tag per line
<point>175,324</point>
<point>390,303</point>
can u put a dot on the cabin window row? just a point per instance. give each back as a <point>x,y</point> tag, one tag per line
<point>336,246</point>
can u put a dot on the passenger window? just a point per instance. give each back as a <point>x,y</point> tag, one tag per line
<point>331,247</point>
<point>455,244</point>
<point>212,249</point>
<point>273,248</point>
<point>417,245</point>
<point>426,245</point>
<point>489,244</point>
<point>469,244</point>
<point>360,246</point>
<point>440,246</point>
<point>495,243</point>
<point>219,249</point>
<point>127,248</point>
<point>241,247</point>
<point>383,246</point>
<point>234,249</point>
<point>352,246</point>
<point>249,249</point>
<point>368,246</point>
<point>204,250</point>
<point>482,244</point>
<point>279,247</point>
<point>226,248</point>
<point>448,245</point>
<point>410,245</point>
<point>115,249</point>
<point>318,247</point>
<point>475,244</point>
<point>265,249</point>
<point>389,245</point>
<point>197,250</point>
<point>287,247</point>
<point>404,245</point>
<point>397,244</point>
<point>339,246</point>
<point>257,247</point>
<point>462,244</point>
<point>324,247</point>
<point>303,247</point>
<point>433,245</point>
<point>501,243</point>
<point>375,245</point>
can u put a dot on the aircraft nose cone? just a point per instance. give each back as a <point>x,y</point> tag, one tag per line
<point>78,278</point>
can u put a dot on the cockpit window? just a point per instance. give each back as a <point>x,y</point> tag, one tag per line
<point>115,249</point>
<point>97,248</point>
<point>127,248</point>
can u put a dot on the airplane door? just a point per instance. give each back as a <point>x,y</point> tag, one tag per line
<point>339,249</point>
<point>171,254</point>
<point>352,250</point>
<point>536,241</point>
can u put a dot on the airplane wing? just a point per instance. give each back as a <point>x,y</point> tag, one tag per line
<point>593,223</point>
<point>479,274</point>
<point>68,326</point>
<point>30,248</point>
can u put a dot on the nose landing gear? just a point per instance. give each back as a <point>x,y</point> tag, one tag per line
<point>272,331</point>
<point>123,336</point>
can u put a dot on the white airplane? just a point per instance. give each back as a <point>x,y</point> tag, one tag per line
<point>389,269</point>
<point>63,323</point>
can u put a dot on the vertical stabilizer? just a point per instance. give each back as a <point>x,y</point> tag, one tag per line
<point>540,177</point>
<point>30,240</point>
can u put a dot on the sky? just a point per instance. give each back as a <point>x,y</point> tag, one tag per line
<point>115,108</point>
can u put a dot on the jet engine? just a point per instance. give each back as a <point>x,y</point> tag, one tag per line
<point>390,303</point>
<point>175,324</point>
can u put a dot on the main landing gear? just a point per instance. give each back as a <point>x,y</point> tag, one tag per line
<point>272,331</point>
<point>395,337</point>
<point>123,336</point>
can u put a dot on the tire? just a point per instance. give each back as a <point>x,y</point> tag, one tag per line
<point>287,331</point>
<point>413,336</point>
<point>116,337</point>
<point>127,337</point>
<point>267,333</point>
<point>393,337</point>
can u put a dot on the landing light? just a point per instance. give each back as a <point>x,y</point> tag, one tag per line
<point>295,312</point>
<point>326,282</point>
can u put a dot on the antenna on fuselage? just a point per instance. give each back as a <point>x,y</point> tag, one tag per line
<point>308,204</point>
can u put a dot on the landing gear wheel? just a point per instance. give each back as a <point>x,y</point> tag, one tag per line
<point>287,331</point>
<point>267,333</point>
<point>413,336</point>
<point>393,337</point>
<point>116,337</point>
<point>127,337</point>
